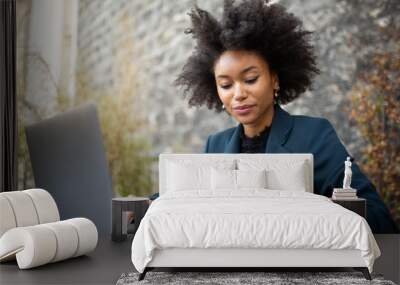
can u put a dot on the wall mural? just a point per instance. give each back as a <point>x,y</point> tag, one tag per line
<point>125,55</point>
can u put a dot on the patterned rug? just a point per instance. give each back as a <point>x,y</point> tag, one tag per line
<point>242,278</point>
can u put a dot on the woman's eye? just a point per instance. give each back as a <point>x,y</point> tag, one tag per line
<point>251,81</point>
<point>227,86</point>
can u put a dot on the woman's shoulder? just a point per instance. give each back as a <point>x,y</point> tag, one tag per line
<point>312,134</point>
<point>319,131</point>
<point>311,122</point>
<point>306,122</point>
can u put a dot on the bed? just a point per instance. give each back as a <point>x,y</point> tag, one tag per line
<point>247,210</point>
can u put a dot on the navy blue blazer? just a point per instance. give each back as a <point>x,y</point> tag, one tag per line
<point>304,134</point>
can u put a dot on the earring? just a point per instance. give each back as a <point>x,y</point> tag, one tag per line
<point>276,92</point>
<point>223,107</point>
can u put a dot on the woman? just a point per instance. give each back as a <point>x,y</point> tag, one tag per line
<point>258,58</point>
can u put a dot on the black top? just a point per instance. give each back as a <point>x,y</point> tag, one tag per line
<point>256,144</point>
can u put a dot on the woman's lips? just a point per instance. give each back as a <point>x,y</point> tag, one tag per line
<point>243,110</point>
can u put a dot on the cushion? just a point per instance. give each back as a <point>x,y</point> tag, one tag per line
<point>226,179</point>
<point>7,219</point>
<point>223,179</point>
<point>66,237</point>
<point>40,244</point>
<point>26,208</point>
<point>290,179</point>
<point>34,244</point>
<point>251,178</point>
<point>87,233</point>
<point>23,208</point>
<point>193,175</point>
<point>189,177</point>
<point>280,174</point>
<point>45,206</point>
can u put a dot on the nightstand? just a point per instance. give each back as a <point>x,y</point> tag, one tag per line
<point>358,205</point>
<point>137,205</point>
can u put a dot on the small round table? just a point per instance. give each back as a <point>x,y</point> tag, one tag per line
<point>137,205</point>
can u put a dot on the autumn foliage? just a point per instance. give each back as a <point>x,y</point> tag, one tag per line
<point>375,107</point>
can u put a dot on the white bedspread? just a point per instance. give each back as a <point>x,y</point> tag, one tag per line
<point>250,219</point>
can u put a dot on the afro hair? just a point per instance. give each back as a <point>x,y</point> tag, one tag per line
<point>254,25</point>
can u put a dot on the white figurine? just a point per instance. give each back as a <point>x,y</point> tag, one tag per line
<point>347,174</point>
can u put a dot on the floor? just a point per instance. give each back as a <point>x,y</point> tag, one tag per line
<point>102,266</point>
<point>110,259</point>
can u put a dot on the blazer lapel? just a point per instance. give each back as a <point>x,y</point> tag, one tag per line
<point>282,124</point>
<point>233,145</point>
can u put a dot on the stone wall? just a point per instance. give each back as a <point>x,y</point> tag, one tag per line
<point>160,48</point>
<point>155,30</point>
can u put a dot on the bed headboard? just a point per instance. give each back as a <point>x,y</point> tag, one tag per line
<point>269,157</point>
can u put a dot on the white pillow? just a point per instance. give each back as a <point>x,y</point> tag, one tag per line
<point>227,179</point>
<point>188,177</point>
<point>223,179</point>
<point>187,174</point>
<point>282,174</point>
<point>251,178</point>
<point>287,179</point>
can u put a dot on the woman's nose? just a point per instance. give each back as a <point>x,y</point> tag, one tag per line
<point>239,93</point>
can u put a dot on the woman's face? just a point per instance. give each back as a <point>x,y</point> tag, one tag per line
<point>246,86</point>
